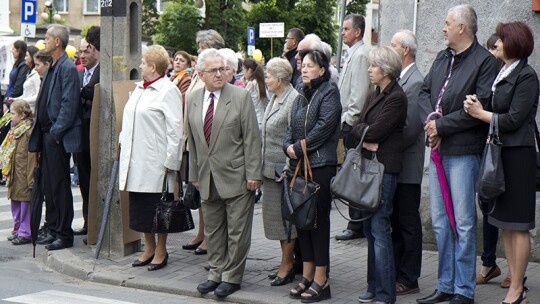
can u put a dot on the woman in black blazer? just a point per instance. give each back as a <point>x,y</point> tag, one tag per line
<point>18,73</point>
<point>384,112</point>
<point>515,100</point>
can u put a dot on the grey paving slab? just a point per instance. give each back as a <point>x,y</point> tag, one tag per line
<point>186,270</point>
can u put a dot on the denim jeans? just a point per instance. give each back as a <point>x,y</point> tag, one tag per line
<point>457,257</point>
<point>381,268</point>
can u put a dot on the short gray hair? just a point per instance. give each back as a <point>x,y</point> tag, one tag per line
<point>61,32</point>
<point>230,58</point>
<point>358,22</point>
<point>408,40</point>
<point>314,42</point>
<point>386,58</point>
<point>280,68</point>
<point>208,53</point>
<point>465,14</point>
<point>210,39</point>
<point>327,50</point>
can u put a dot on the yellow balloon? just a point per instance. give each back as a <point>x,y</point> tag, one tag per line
<point>40,44</point>
<point>71,50</point>
<point>257,54</point>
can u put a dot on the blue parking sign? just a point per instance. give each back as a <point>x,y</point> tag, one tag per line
<point>250,35</point>
<point>28,11</point>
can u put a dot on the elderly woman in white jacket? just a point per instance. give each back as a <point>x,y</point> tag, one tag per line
<point>151,146</point>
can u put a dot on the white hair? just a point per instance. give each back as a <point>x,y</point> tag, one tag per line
<point>208,53</point>
<point>465,14</point>
<point>230,58</point>
<point>408,39</point>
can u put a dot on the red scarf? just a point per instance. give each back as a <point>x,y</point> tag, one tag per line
<point>146,84</point>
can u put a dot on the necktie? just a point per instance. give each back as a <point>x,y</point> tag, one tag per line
<point>86,78</point>
<point>208,119</point>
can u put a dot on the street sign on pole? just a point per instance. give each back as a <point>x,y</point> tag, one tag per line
<point>28,18</point>
<point>250,40</point>
<point>272,30</point>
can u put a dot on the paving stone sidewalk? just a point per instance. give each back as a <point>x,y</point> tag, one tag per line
<point>185,270</point>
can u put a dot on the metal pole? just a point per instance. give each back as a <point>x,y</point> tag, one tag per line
<point>340,38</point>
<point>271,47</point>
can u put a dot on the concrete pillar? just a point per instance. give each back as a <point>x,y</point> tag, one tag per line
<point>120,58</point>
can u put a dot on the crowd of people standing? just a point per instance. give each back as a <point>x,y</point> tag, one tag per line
<point>233,127</point>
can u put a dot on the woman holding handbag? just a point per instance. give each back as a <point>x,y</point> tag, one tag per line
<point>515,101</point>
<point>315,119</point>
<point>151,145</point>
<point>384,113</point>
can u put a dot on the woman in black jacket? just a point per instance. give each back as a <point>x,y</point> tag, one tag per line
<point>315,117</point>
<point>384,113</point>
<point>515,100</point>
<point>18,72</point>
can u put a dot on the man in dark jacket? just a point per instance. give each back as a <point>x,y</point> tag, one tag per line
<point>464,68</point>
<point>294,36</point>
<point>89,77</point>
<point>56,134</point>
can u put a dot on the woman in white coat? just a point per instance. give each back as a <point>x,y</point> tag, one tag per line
<point>150,149</point>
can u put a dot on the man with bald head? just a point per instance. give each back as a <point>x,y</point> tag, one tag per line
<point>463,68</point>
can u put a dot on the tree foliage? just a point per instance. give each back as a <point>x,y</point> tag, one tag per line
<point>356,7</point>
<point>179,22</point>
<point>149,17</point>
<point>228,18</point>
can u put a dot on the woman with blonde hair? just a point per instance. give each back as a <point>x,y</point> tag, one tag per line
<point>150,150</point>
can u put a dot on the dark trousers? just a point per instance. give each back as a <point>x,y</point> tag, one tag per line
<point>315,244</point>
<point>490,237</point>
<point>82,160</point>
<point>407,234</point>
<point>354,214</point>
<point>57,188</point>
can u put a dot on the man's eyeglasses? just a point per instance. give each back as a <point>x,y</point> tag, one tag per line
<point>215,70</point>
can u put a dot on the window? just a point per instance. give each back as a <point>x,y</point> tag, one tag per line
<point>61,6</point>
<point>91,7</point>
<point>161,4</point>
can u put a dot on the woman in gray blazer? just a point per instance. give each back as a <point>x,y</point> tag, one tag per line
<point>274,127</point>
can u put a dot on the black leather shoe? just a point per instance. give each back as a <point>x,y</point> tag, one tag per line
<point>226,289</point>
<point>436,297</point>
<point>20,240</point>
<point>191,246</point>
<point>349,234</point>
<point>85,241</point>
<point>59,244</point>
<point>45,240</point>
<point>200,251</point>
<point>285,280</point>
<point>139,263</point>
<point>82,231</point>
<point>152,267</point>
<point>207,286</point>
<point>459,299</point>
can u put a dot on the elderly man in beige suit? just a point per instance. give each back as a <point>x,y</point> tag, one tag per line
<point>225,165</point>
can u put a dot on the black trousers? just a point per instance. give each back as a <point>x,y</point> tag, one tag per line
<point>354,214</point>
<point>57,188</point>
<point>82,160</point>
<point>315,244</point>
<point>407,234</point>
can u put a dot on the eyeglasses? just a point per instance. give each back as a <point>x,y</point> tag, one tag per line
<point>215,70</point>
<point>287,38</point>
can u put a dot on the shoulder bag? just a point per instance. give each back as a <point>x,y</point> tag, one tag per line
<point>358,184</point>
<point>490,182</point>
<point>171,216</point>
<point>299,196</point>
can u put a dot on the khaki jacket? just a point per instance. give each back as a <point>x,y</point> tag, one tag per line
<point>24,163</point>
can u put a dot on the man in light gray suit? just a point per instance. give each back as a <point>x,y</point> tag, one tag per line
<point>225,166</point>
<point>354,87</point>
<point>406,224</point>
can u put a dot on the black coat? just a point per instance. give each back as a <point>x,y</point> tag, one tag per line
<point>516,100</point>
<point>385,113</point>
<point>474,71</point>
<point>18,79</point>
<point>87,91</point>
<point>316,120</point>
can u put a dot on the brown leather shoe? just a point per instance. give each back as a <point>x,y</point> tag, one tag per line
<point>401,289</point>
<point>494,272</point>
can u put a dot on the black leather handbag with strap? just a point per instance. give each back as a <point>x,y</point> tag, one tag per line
<point>171,215</point>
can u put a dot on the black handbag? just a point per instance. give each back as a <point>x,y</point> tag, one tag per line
<point>299,196</point>
<point>490,182</point>
<point>358,184</point>
<point>192,197</point>
<point>171,216</point>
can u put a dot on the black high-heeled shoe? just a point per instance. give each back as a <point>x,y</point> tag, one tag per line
<point>522,295</point>
<point>152,267</point>
<point>317,293</point>
<point>296,293</point>
<point>139,263</point>
<point>285,280</point>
